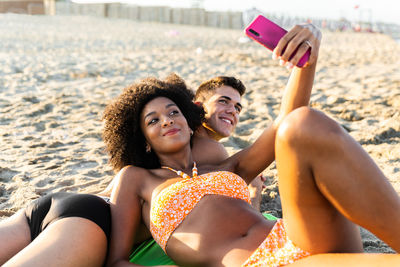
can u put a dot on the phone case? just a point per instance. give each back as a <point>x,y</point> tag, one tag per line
<point>268,34</point>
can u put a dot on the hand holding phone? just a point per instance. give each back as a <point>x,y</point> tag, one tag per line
<point>268,34</point>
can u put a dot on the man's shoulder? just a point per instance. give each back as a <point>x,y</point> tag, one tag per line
<point>208,151</point>
<point>206,142</point>
<point>201,138</point>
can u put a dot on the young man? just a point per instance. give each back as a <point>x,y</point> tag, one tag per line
<point>221,100</point>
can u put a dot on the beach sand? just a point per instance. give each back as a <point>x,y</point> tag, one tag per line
<point>58,73</point>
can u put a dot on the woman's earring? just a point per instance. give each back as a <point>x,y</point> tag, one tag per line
<point>148,148</point>
<point>191,132</point>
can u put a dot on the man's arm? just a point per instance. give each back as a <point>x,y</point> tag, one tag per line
<point>209,151</point>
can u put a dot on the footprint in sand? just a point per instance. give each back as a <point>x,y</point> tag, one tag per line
<point>56,144</point>
<point>43,182</point>
<point>350,115</point>
<point>394,101</point>
<point>389,136</point>
<point>4,103</point>
<point>248,116</point>
<point>5,121</point>
<point>2,190</point>
<point>42,109</point>
<point>37,145</point>
<point>372,244</point>
<point>240,142</point>
<point>53,125</point>
<point>40,126</point>
<point>92,135</point>
<point>6,174</point>
<point>246,130</point>
<point>31,99</point>
<point>40,160</point>
<point>83,165</point>
<point>65,182</point>
<point>52,167</point>
<point>94,174</point>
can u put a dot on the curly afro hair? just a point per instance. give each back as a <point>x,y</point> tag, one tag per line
<point>122,134</point>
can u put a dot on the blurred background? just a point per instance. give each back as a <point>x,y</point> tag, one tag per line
<point>341,15</point>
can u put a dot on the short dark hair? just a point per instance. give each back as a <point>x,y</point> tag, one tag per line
<point>122,134</point>
<point>207,88</point>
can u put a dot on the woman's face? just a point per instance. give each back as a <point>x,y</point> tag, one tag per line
<point>164,126</point>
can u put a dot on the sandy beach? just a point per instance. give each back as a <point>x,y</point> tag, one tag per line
<point>58,73</point>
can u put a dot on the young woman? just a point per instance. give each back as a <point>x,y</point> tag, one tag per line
<point>200,215</point>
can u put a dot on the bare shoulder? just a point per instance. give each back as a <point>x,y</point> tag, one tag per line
<point>132,172</point>
<point>140,180</point>
<point>128,172</point>
<point>208,151</point>
<point>132,176</point>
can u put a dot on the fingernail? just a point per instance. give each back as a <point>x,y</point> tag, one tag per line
<point>282,62</point>
<point>289,66</point>
<point>274,56</point>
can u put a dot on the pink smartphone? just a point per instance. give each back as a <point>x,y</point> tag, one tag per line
<point>268,34</point>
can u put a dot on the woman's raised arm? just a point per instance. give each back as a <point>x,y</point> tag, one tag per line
<point>249,162</point>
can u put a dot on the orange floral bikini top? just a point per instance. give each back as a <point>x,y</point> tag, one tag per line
<point>170,207</point>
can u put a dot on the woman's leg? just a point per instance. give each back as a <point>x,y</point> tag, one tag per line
<point>63,229</point>
<point>327,180</point>
<point>70,241</point>
<point>14,236</point>
<point>340,260</point>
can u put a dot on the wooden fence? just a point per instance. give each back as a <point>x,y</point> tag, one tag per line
<point>33,7</point>
<point>190,16</point>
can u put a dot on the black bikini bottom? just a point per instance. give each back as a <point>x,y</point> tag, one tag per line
<point>45,210</point>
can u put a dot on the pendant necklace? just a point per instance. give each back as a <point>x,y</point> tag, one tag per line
<point>181,173</point>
